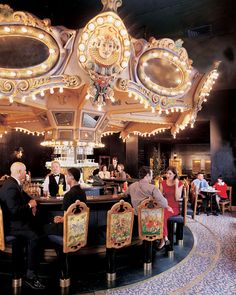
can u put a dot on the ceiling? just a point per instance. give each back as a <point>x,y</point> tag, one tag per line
<point>207,28</point>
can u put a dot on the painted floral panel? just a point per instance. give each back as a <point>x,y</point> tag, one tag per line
<point>151,221</point>
<point>120,227</point>
<point>76,227</point>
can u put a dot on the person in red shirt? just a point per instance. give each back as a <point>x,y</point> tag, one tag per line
<point>172,189</point>
<point>221,187</point>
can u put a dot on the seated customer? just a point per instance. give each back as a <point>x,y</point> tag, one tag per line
<point>52,181</point>
<point>121,174</point>
<point>75,193</point>
<point>143,189</point>
<point>20,220</point>
<point>104,174</point>
<point>171,188</point>
<point>221,187</point>
<point>201,183</point>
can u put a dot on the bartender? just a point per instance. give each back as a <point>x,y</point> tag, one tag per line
<point>52,181</point>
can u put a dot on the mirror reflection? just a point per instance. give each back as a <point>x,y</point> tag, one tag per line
<point>28,52</point>
<point>90,120</point>
<point>163,73</point>
<point>64,118</point>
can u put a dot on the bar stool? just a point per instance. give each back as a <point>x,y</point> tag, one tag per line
<point>120,219</point>
<point>180,221</point>
<point>150,226</point>
<point>75,233</point>
<point>11,240</point>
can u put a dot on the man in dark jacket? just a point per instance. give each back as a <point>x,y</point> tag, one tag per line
<point>19,220</point>
<point>75,193</point>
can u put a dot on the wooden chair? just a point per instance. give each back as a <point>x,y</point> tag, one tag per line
<point>226,204</point>
<point>75,233</point>
<point>120,220</point>
<point>196,200</point>
<point>11,240</point>
<point>180,221</point>
<point>150,227</point>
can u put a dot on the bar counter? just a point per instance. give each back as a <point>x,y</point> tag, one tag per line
<point>101,199</point>
<point>99,205</point>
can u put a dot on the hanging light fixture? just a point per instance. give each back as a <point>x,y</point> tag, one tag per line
<point>99,93</point>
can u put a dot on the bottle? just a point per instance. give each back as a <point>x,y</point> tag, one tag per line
<point>60,190</point>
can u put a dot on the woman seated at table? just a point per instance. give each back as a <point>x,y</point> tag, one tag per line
<point>104,173</point>
<point>75,193</point>
<point>221,187</point>
<point>121,174</point>
<point>171,188</point>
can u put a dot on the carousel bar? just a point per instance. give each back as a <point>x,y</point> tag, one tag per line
<point>117,153</point>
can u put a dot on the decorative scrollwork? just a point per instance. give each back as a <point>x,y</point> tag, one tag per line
<point>23,86</point>
<point>164,101</point>
<point>5,12</point>
<point>122,84</point>
<point>71,81</point>
<point>65,36</point>
<point>7,86</point>
<point>36,83</point>
<point>111,5</point>
<point>30,20</point>
<point>172,45</point>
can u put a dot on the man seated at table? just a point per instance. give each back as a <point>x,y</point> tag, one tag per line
<point>52,181</point>
<point>75,193</point>
<point>198,184</point>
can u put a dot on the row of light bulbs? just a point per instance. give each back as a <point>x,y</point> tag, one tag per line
<point>144,134</point>
<point>154,109</point>
<point>26,131</point>
<point>208,84</point>
<point>205,91</point>
<point>23,130</point>
<point>33,96</point>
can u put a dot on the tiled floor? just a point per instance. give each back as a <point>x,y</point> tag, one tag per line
<point>89,274</point>
<point>205,265</point>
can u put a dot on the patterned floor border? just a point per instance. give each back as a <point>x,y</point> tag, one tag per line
<point>188,273</point>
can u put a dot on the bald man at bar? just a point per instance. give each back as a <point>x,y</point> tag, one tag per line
<point>20,221</point>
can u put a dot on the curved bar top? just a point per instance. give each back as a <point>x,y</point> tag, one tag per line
<point>90,199</point>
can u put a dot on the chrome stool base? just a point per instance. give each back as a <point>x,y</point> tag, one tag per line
<point>64,283</point>
<point>111,276</point>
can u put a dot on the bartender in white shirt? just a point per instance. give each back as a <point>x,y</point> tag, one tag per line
<point>52,181</point>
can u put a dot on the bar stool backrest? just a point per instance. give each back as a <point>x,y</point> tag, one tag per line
<point>150,220</point>
<point>75,227</point>
<point>2,238</point>
<point>185,197</point>
<point>120,219</point>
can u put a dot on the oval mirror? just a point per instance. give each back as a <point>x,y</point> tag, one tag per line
<point>163,73</point>
<point>18,52</point>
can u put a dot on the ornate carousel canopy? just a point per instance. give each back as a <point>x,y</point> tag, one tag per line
<point>75,86</point>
